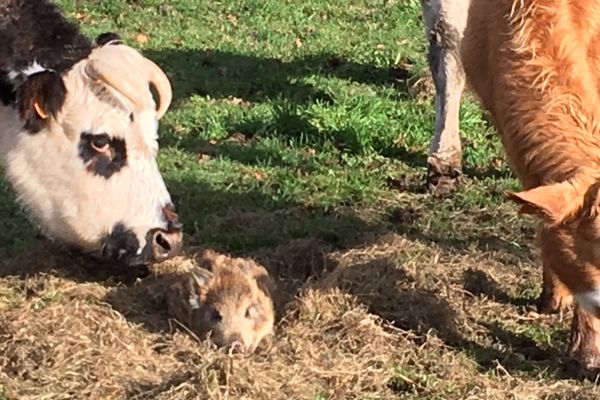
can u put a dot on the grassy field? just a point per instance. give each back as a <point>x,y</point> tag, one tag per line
<point>298,136</point>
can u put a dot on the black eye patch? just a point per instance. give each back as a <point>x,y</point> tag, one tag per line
<point>102,154</point>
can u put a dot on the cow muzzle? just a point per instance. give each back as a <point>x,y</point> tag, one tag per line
<point>162,244</point>
<point>122,246</point>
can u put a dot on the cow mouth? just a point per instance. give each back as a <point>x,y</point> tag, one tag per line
<point>123,247</point>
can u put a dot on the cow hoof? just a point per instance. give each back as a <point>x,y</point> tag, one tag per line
<point>584,342</point>
<point>443,178</point>
<point>552,303</point>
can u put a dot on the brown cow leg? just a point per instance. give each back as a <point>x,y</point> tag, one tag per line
<point>584,341</point>
<point>555,296</point>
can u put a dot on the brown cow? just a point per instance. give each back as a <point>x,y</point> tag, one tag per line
<point>535,65</point>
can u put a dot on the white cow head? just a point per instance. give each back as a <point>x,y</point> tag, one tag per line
<point>80,150</point>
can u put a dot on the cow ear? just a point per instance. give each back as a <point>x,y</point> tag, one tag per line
<point>591,202</point>
<point>552,203</point>
<point>40,96</point>
<point>108,38</point>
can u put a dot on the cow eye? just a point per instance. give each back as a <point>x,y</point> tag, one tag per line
<point>100,142</point>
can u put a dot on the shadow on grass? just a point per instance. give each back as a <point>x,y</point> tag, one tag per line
<point>489,172</point>
<point>405,221</point>
<point>517,352</point>
<point>44,256</point>
<point>388,291</point>
<point>224,74</point>
<point>247,149</point>
<point>478,283</point>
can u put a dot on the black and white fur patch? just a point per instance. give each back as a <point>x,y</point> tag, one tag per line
<point>36,40</point>
<point>108,38</point>
<point>102,164</point>
<point>42,87</point>
<point>121,245</point>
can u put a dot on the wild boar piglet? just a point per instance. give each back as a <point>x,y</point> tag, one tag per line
<point>227,299</point>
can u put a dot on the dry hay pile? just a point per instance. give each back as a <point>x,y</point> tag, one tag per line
<point>393,319</point>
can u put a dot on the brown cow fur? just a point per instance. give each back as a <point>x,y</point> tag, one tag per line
<point>535,65</point>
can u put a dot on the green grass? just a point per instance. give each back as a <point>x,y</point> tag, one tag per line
<point>321,93</point>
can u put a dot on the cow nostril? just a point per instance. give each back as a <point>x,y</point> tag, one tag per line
<point>163,242</point>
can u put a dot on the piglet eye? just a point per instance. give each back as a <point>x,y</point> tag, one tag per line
<point>214,315</point>
<point>100,143</point>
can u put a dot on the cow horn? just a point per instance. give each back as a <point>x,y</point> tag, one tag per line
<point>120,72</point>
<point>160,81</point>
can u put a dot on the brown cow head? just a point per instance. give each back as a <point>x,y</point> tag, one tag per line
<point>570,213</point>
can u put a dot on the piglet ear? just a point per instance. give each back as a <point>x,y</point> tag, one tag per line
<point>259,274</point>
<point>108,38</point>
<point>208,258</point>
<point>252,269</point>
<point>40,96</point>
<point>201,277</point>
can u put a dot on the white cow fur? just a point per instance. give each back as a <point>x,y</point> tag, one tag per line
<point>50,177</point>
<point>589,301</point>
<point>31,69</point>
<point>445,22</point>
